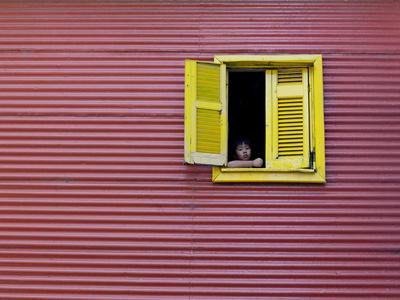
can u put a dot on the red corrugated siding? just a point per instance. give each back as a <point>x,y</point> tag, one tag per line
<point>96,202</point>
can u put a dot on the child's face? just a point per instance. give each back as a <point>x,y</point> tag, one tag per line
<point>243,151</point>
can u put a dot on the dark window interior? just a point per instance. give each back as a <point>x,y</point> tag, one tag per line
<point>246,111</point>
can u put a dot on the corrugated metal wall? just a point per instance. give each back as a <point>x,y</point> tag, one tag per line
<point>96,202</point>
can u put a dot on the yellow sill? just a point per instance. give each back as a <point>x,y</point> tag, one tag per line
<point>266,175</point>
<point>265,170</point>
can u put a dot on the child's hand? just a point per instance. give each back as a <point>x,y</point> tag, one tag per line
<point>258,162</point>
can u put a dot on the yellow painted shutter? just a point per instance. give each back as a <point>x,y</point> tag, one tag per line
<point>205,113</point>
<point>288,141</point>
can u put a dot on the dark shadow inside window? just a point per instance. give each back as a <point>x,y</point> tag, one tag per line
<point>246,111</point>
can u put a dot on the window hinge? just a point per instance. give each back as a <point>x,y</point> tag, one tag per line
<point>312,159</point>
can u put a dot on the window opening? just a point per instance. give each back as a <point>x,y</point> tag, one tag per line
<point>246,111</point>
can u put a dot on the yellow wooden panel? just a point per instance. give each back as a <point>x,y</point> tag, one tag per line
<point>288,122</point>
<point>267,60</point>
<point>287,91</point>
<point>318,114</point>
<point>205,113</point>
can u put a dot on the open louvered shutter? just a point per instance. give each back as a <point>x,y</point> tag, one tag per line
<point>289,119</point>
<point>205,113</point>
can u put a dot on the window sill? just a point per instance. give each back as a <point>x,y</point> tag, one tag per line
<point>235,170</point>
<point>266,175</point>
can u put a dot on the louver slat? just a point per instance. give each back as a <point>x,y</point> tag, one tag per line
<point>290,138</point>
<point>208,132</point>
<point>290,75</point>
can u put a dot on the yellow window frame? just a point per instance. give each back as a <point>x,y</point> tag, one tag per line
<point>316,117</point>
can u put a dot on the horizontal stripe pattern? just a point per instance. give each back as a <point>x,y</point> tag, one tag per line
<point>96,202</point>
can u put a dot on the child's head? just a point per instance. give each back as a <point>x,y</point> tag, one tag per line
<point>242,149</point>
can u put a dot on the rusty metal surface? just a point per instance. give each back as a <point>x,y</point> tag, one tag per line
<point>95,202</point>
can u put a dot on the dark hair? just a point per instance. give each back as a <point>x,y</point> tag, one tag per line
<point>240,141</point>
